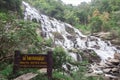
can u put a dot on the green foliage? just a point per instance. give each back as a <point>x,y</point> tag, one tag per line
<point>82,16</point>
<point>13,5</point>
<point>20,72</point>
<point>82,74</point>
<point>20,34</point>
<point>16,34</point>
<point>60,76</point>
<point>96,24</point>
<point>66,13</point>
<point>59,58</point>
<point>6,17</point>
<point>7,70</point>
<point>85,29</point>
<point>49,42</point>
<point>115,5</point>
<point>40,77</point>
<point>3,16</point>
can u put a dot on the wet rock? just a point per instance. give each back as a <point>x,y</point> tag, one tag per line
<point>118,47</point>
<point>103,65</point>
<point>104,35</point>
<point>43,34</point>
<point>111,67</point>
<point>114,61</point>
<point>68,66</point>
<point>73,50</point>
<point>58,36</point>
<point>117,56</point>
<point>90,55</point>
<point>111,77</point>
<point>107,70</point>
<point>96,46</point>
<point>87,51</point>
<point>109,64</point>
<point>115,41</point>
<point>72,38</point>
<point>79,58</point>
<point>92,38</point>
<point>90,71</point>
<point>69,29</point>
<point>115,69</point>
<point>83,38</point>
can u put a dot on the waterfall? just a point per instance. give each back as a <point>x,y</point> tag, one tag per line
<point>68,36</point>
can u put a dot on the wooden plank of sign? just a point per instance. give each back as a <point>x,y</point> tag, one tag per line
<point>33,61</point>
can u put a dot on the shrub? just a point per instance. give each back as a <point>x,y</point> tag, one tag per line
<point>96,24</point>
<point>60,76</point>
<point>48,42</point>
<point>59,58</point>
<point>40,77</point>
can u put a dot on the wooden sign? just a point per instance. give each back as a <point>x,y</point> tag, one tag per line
<point>33,61</point>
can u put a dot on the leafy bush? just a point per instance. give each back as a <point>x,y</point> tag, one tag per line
<point>48,42</point>
<point>3,16</point>
<point>18,36</point>
<point>59,58</point>
<point>60,76</point>
<point>96,24</point>
<point>82,74</point>
<point>13,5</point>
<point>40,77</point>
<point>6,71</point>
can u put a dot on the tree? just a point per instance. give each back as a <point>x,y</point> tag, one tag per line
<point>96,24</point>
<point>13,5</point>
<point>83,12</point>
<point>115,5</point>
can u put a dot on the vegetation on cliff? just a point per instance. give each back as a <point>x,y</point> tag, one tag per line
<point>16,33</point>
<point>96,16</point>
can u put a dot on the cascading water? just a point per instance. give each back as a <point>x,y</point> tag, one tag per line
<point>67,36</point>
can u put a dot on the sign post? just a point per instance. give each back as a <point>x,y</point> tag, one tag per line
<point>16,61</point>
<point>33,61</point>
<point>49,69</point>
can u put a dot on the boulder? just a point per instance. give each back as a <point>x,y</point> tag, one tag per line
<point>90,55</point>
<point>115,69</point>
<point>117,56</point>
<point>110,68</point>
<point>103,65</point>
<point>114,61</point>
<point>107,70</point>
<point>27,76</point>
<point>115,41</point>
<point>72,38</point>
<point>103,35</point>
<point>118,47</point>
<point>109,64</point>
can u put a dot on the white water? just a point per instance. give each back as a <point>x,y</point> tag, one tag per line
<point>77,40</point>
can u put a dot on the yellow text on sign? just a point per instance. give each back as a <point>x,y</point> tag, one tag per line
<point>29,58</point>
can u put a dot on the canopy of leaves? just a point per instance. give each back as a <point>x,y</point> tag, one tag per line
<point>13,5</point>
<point>83,14</point>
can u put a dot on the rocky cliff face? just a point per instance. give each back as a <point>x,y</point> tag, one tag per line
<point>110,68</point>
<point>109,36</point>
<point>68,37</point>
